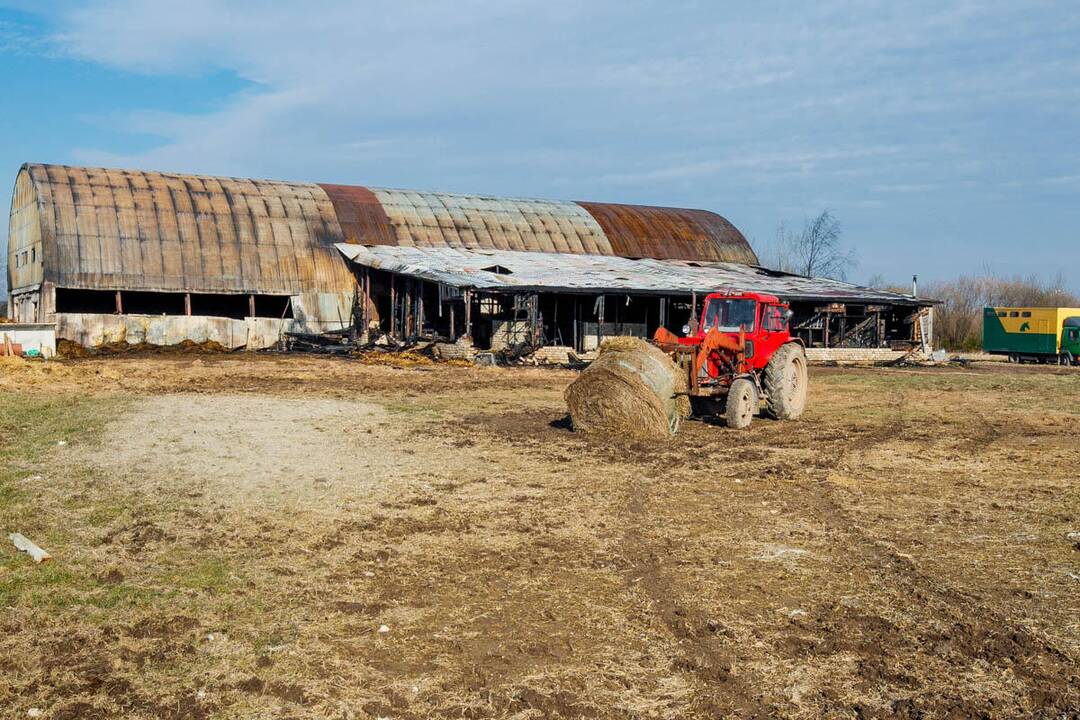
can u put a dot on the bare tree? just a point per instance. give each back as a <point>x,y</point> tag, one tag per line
<point>816,251</point>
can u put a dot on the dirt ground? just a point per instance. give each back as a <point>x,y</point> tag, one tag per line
<point>294,537</point>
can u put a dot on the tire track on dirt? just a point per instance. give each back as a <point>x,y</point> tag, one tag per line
<point>978,632</point>
<point>704,655</point>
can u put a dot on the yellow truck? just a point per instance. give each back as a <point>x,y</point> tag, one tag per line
<point>1033,334</point>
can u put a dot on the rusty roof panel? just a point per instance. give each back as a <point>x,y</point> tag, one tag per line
<point>360,215</point>
<point>670,233</point>
<point>381,216</point>
<point>168,232</point>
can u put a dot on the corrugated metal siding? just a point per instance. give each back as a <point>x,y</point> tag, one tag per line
<point>670,233</point>
<point>380,216</point>
<point>420,219</point>
<point>137,230</point>
<point>360,215</point>
<point>24,236</point>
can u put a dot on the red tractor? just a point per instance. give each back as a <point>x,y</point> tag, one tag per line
<point>741,351</point>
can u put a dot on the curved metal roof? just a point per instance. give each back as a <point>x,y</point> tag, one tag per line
<point>381,216</point>
<point>135,230</point>
<point>130,229</point>
<point>660,233</point>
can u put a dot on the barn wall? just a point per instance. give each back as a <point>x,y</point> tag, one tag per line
<point>88,232</point>
<point>25,262</point>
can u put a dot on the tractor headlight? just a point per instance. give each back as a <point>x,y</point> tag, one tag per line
<point>685,329</point>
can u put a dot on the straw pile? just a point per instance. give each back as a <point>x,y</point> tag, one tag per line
<point>629,390</point>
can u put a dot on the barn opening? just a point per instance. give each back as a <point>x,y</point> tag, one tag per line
<point>137,302</point>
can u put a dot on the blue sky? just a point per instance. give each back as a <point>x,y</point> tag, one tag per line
<point>945,136</point>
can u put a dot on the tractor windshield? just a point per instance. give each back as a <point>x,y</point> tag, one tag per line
<point>728,315</point>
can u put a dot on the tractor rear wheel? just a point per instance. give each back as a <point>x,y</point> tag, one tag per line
<point>742,403</point>
<point>785,381</point>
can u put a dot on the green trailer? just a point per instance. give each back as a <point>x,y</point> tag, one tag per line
<point>1029,334</point>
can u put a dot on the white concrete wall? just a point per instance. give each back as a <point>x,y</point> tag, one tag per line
<point>853,355</point>
<point>92,330</point>
<point>38,336</point>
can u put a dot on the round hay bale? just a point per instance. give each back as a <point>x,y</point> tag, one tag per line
<point>629,390</point>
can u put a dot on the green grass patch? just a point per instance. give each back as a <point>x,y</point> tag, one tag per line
<point>104,514</point>
<point>57,586</point>
<point>421,408</point>
<point>210,575</point>
<point>32,425</point>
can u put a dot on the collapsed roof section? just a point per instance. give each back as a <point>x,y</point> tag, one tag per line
<point>501,271</point>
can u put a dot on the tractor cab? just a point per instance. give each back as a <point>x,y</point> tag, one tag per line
<point>760,320</point>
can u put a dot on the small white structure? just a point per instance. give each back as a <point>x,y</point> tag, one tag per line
<point>32,336</point>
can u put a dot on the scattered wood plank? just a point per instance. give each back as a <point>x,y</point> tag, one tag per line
<point>26,546</point>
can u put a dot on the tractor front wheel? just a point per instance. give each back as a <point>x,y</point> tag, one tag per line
<point>785,381</point>
<point>742,403</point>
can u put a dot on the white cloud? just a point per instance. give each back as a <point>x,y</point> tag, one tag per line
<point>742,108</point>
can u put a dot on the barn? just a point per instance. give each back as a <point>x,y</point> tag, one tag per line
<point>136,256</point>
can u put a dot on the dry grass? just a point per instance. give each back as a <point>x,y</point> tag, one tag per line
<point>232,532</point>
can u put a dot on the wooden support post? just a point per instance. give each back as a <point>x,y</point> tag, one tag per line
<point>187,303</point>
<point>393,306</point>
<point>468,315</point>
<point>420,309</point>
<point>412,309</point>
<point>556,334</point>
<point>251,306</point>
<point>453,325</point>
<point>119,304</point>
<point>577,321</point>
<point>365,314</point>
<point>600,324</point>
<point>532,319</point>
<point>410,305</point>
